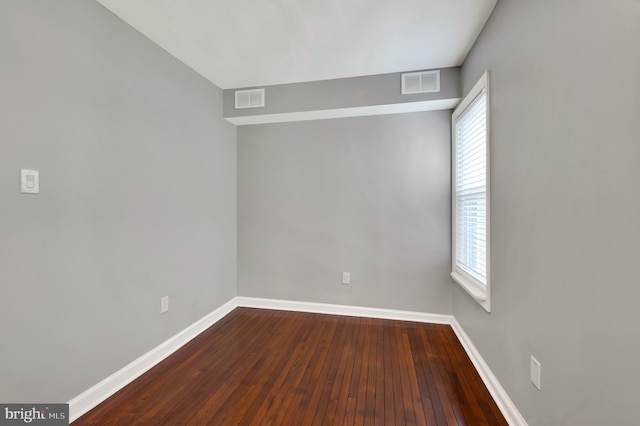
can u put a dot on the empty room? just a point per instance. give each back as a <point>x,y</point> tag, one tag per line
<point>305,212</point>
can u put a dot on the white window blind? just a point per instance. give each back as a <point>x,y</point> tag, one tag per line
<point>470,209</point>
<point>471,190</point>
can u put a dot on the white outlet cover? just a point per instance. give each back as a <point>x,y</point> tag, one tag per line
<point>164,304</point>
<point>346,277</point>
<point>535,369</point>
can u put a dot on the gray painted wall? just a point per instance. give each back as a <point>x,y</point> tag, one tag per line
<point>138,197</point>
<point>565,208</point>
<point>381,89</point>
<point>367,195</point>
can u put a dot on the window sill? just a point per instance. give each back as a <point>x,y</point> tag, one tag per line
<point>480,295</point>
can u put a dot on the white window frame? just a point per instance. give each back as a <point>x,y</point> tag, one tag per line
<point>481,292</point>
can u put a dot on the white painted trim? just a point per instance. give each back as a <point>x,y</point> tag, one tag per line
<point>469,285</point>
<point>354,311</point>
<point>403,107</point>
<point>507,407</point>
<point>481,292</point>
<point>107,387</point>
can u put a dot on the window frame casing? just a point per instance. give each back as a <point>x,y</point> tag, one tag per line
<point>474,287</point>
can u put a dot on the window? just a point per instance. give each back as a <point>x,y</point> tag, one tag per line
<point>470,193</point>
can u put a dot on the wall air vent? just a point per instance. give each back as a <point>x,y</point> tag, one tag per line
<point>421,82</point>
<point>253,98</point>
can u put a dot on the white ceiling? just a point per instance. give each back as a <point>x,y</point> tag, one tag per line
<point>241,43</point>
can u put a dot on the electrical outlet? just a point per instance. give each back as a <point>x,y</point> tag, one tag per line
<point>534,373</point>
<point>346,277</point>
<point>164,304</point>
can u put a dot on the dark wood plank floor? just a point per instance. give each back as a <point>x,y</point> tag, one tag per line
<point>262,367</point>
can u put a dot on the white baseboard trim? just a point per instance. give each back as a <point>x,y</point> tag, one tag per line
<point>107,387</point>
<point>507,407</point>
<point>354,311</point>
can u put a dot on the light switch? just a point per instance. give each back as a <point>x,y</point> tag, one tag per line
<point>164,304</point>
<point>29,181</point>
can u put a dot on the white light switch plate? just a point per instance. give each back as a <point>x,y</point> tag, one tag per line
<point>29,181</point>
<point>346,277</point>
<point>535,368</point>
<point>164,304</point>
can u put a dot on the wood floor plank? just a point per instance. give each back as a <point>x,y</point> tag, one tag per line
<point>325,384</point>
<point>379,410</point>
<point>430,372</point>
<point>370,399</point>
<point>467,388</point>
<point>398,396</point>
<point>295,397</point>
<point>448,379</point>
<point>263,367</point>
<point>423,409</point>
<point>291,388</point>
<point>343,410</point>
<point>229,384</point>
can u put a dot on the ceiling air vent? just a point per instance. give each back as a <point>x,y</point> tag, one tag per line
<point>253,98</point>
<point>421,82</point>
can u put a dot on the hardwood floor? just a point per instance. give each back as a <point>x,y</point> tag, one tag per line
<point>262,367</point>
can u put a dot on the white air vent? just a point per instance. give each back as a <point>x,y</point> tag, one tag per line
<point>421,82</point>
<point>253,98</point>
